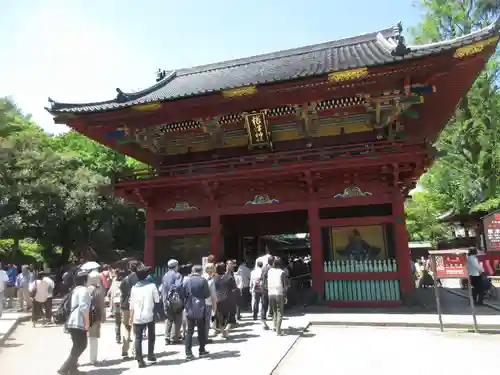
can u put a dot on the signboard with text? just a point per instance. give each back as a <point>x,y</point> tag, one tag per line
<point>451,266</point>
<point>492,231</point>
<point>258,134</point>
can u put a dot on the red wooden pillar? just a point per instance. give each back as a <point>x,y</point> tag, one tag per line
<point>318,283</point>
<point>403,256</point>
<point>215,235</point>
<point>149,240</point>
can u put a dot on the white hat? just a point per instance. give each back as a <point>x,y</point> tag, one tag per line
<point>172,263</point>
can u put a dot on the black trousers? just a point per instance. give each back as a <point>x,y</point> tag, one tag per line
<point>139,330</point>
<point>79,339</point>
<point>118,325</point>
<point>202,339</point>
<point>48,309</point>
<point>36,310</point>
<point>477,284</point>
<point>265,306</point>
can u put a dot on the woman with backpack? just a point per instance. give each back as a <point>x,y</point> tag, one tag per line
<point>74,311</point>
<point>97,313</point>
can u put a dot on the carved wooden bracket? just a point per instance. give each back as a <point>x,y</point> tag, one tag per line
<point>141,197</point>
<point>210,190</point>
<point>311,182</point>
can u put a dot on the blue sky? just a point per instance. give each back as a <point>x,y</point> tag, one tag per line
<point>78,51</point>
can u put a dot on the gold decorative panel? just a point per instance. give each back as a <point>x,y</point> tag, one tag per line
<point>475,48</point>
<point>348,75</point>
<point>258,135</point>
<point>240,91</point>
<point>147,107</point>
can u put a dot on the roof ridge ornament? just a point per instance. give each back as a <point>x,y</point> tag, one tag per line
<point>121,97</point>
<point>160,75</point>
<point>401,48</point>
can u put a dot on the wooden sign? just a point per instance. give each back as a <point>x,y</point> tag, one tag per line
<point>492,231</point>
<point>450,266</point>
<point>258,134</point>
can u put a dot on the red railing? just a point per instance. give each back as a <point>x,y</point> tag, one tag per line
<point>278,159</point>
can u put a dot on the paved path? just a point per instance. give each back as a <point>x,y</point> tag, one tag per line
<point>390,351</point>
<point>454,286</point>
<point>42,350</point>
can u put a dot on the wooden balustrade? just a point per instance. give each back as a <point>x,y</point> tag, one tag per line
<point>279,160</point>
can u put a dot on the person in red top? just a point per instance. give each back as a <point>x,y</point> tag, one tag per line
<point>105,278</point>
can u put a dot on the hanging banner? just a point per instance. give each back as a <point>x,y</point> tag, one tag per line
<point>257,129</point>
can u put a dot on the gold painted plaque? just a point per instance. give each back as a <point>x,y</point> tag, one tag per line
<point>348,75</point>
<point>258,135</point>
<point>147,107</point>
<point>474,49</point>
<point>240,91</point>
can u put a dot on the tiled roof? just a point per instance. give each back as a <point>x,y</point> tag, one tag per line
<point>367,50</point>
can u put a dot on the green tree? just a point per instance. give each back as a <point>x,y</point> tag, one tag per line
<point>467,178</point>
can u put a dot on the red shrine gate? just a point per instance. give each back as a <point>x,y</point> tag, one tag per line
<point>326,139</point>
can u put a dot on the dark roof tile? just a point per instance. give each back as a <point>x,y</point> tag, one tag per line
<point>362,51</point>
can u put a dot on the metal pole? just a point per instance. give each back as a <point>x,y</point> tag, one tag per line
<point>436,293</point>
<point>471,300</point>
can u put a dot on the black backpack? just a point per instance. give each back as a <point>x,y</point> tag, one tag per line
<point>64,310</point>
<point>174,301</point>
<point>94,311</point>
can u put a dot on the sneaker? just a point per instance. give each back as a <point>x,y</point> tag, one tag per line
<point>125,355</point>
<point>190,357</point>
<point>141,364</point>
<point>203,353</point>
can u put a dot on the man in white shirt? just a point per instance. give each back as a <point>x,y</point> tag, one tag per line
<point>39,290</point>
<point>277,285</point>
<point>3,280</point>
<point>256,288</point>
<point>264,258</point>
<point>143,297</point>
<point>476,276</point>
<point>242,278</point>
<point>48,303</point>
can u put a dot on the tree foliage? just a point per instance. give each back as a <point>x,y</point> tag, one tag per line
<point>50,193</point>
<point>467,178</point>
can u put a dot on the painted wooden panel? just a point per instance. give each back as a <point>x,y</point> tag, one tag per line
<point>357,128</point>
<point>236,142</point>
<point>286,135</point>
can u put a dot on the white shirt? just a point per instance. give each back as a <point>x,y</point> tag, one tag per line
<point>211,287</point>
<point>256,274</point>
<point>3,279</point>
<point>275,285</point>
<point>42,290</point>
<point>473,266</point>
<point>244,273</point>
<point>264,259</point>
<point>143,298</point>
<point>50,284</point>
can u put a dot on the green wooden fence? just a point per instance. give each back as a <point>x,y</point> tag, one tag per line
<point>362,290</point>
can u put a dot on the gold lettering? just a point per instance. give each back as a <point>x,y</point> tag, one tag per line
<point>258,129</point>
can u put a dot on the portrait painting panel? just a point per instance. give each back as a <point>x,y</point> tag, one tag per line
<point>359,243</point>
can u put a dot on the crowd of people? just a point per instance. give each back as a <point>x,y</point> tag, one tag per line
<point>208,299</point>
<point>31,290</point>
